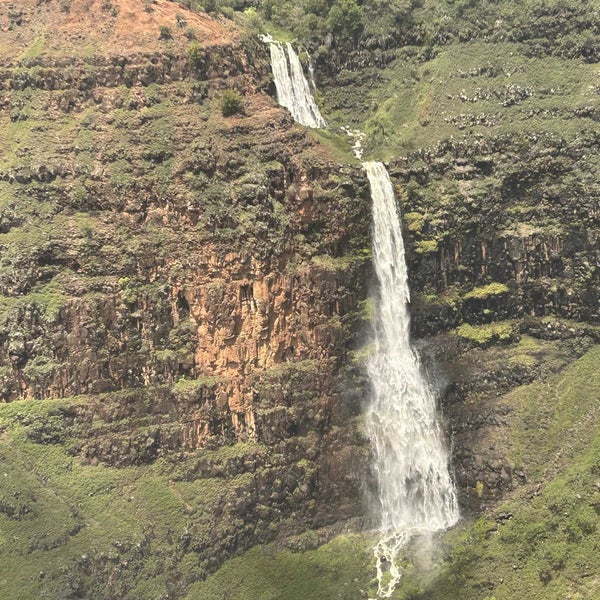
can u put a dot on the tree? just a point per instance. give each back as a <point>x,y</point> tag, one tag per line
<point>231,103</point>
<point>345,16</point>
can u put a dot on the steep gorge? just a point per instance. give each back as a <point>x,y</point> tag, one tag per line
<point>186,293</point>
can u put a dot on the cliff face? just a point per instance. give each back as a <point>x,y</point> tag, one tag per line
<point>184,291</point>
<point>190,280</point>
<point>492,136</point>
<point>489,118</point>
<point>514,232</point>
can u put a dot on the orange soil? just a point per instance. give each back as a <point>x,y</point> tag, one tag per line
<point>92,26</point>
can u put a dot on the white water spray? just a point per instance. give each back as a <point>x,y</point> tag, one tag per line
<point>293,90</point>
<point>416,494</point>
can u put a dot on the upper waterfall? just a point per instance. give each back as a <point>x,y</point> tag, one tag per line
<point>416,493</point>
<point>293,90</point>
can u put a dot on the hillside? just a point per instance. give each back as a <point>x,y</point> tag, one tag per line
<point>184,282</point>
<point>179,291</point>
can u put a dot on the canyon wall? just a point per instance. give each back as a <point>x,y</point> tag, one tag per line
<point>190,282</point>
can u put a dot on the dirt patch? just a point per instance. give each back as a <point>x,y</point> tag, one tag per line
<point>85,27</point>
<point>134,21</point>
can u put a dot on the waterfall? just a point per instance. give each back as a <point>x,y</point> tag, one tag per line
<point>416,494</point>
<point>293,90</point>
<point>311,71</point>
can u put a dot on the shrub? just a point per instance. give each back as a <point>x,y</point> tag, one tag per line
<point>232,103</point>
<point>39,373</point>
<point>253,21</point>
<point>181,20</point>
<point>195,54</point>
<point>165,33</point>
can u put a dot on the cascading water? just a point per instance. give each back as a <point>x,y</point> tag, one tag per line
<point>293,90</point>
<point>311,71</point>
<point>416,494</point>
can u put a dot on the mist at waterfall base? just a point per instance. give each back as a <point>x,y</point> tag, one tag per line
<point>416,496</point>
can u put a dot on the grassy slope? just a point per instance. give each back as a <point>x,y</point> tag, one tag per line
<point>548,549</point>
<point>335,570</point>
<point>65,525</point>
<point>474,89</point>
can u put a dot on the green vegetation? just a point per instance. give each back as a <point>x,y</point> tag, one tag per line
<point>231,103</point>
<point>527,352</point>
<point>338,264</point>
<point>345,16</point>
<point>481,293</point>
<point>195,54</point>
<point>484,334</point>
<point>336,142</point>
<point>545,548</point>
<point>189,386</point>
<point>539,544</point>
<point>426,246</point>
<point>92,530</point>
<point>333,570</point>
<point>463,90</point>
<point>123,205</point>
<point>165,33</point>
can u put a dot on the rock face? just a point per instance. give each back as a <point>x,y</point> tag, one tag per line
<point>194,277</point>
<point>475,259</point>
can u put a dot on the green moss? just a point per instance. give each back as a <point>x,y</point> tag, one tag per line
<point>362,354</point>
<point>49,300</point>
<point>426,246</point>
<point>366,309</point>
<point>185,385</point>
<point>481,293</point>
<point>450,297</point>
<point>484,334</point>
<point>414,221</point>
<point>337,264</point>
<point>523,359</point>
<point>542,424</point>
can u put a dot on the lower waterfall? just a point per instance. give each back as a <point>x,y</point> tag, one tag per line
<point>416,493</point>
